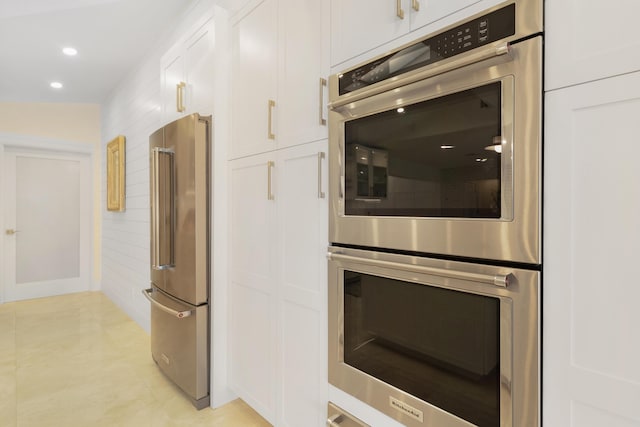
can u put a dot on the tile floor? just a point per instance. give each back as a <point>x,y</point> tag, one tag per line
<point>78,360</point>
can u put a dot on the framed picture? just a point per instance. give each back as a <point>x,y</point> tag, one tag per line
<point>116,174</point>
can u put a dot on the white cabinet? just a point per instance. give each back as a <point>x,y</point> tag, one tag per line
<point>590,40</point>
<point>304,68</point>
<point>361,25</point>
<point>278,292</point>
<point>187,73</point>
<point>592,241</point>
<point>254,77</point>
<point>280,55</point>
<point>253,286</point>
<point>301,198</point>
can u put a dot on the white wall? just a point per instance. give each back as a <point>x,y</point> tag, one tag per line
<point>134,110</point>
<point>64,123</point>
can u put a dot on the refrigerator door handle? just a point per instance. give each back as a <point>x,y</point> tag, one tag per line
<point>179,314</point>
<point>162,209</point>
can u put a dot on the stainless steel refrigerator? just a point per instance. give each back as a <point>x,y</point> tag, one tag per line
<point>179,293</point>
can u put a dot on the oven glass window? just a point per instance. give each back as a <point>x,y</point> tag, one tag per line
<point>436,158</point>
<point>439,345</point>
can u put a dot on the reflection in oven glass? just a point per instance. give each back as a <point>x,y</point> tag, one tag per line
<point>439,345</point>
<point>437,158</point>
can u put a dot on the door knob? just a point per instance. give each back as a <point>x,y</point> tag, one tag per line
<point>11,231</point>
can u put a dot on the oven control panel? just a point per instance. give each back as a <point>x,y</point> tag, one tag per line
<point>462,38</point>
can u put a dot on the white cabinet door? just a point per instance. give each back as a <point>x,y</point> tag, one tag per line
<point>429,11</point>
<point>199,69</point>
<point>278,308</point>
<point>302,230</point>
<point>304,51</point>
<point>360,25</point>
<point>253,269</point>
<point>187,74</point>
<point>590,40</point>
<point>254,74</point>
<point>592,241</point>
<point>172,69</point>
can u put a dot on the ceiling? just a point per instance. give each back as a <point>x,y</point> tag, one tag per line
<point>111,37</point>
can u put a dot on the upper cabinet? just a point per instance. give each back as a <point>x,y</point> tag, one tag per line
<point>187,70</point>
<point>254,77</point>
<point>279,70</point>
<point>360,25</point>
<point>304,69</point>
<point>587,41</point>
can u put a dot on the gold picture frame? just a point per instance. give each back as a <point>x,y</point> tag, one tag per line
<point>116,174</point>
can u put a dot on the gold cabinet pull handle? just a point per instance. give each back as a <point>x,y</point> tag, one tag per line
<point>323,84</point>
<point>415,4</point>
<point>321,156</point>
<point>270,166</point>
<point>399,11</point>
<point>270,133</point>
<point>180,97</point>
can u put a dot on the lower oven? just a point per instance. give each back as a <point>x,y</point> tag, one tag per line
<point>432,342</point>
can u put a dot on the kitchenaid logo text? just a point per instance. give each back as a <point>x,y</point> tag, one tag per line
<point>406,409</point>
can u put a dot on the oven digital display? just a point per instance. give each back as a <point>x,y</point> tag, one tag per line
<point>481,31</point>
<point>439,345</point>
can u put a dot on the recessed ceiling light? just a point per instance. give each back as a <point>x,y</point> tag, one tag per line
<point>56,85</point>
<point>447,147</point>
<point>400,110</point>
<point>69,51</point>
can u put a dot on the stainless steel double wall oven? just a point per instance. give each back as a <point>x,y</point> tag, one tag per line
<point>435,223</point>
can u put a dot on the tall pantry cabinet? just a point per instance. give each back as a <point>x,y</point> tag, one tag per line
<point>278,210</point>
<point>591,374</point>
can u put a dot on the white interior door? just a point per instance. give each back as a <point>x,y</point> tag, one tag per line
<point>47,227</point>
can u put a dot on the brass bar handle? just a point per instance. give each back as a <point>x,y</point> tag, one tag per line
<point>180,97</point>
<point>270,166</point>
<point>323,84</point>
<point>321,156</point>
<point>399,11</point>
<point>270,133</point>
<point>11,232</point>
<point>415,4</point>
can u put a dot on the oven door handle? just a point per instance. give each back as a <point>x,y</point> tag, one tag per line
<point>416,75</point>
<point>501,280</point>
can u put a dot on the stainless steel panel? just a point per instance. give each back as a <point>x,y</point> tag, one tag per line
<point>519,334</point>
<point>181,167</point>
<point>179,344</point>
<point>514,237</point>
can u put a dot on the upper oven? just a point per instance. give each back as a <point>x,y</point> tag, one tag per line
<point>436,147</point>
